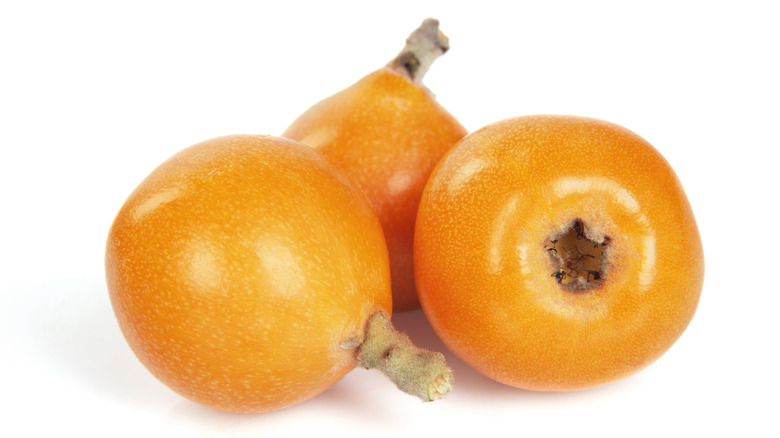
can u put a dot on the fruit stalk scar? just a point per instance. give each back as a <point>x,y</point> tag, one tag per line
<point>415,371</point>
<point>578,257</point>
<point>423,46</point>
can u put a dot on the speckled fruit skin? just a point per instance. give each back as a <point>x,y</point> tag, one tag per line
<point>238,267</point>
<point>484,275</point>
<point>387,134</point>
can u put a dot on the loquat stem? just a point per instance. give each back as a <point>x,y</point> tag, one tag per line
<point>415,371</point>
<point>422,48</point>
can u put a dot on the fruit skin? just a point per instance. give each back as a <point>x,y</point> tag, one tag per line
<point>484,275</point>
<point>386,134</point>
<point>238,268</point>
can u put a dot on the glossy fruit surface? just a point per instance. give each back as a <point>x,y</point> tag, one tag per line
<point>240,266</point>
<point>386,133</point>
<point>557,252</point>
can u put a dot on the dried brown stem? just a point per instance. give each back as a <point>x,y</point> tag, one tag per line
<point>423,47</point>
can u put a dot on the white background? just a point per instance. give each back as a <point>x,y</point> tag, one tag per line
<point>93,95</point>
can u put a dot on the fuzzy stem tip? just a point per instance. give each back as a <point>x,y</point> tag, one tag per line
<point>415,371</point>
